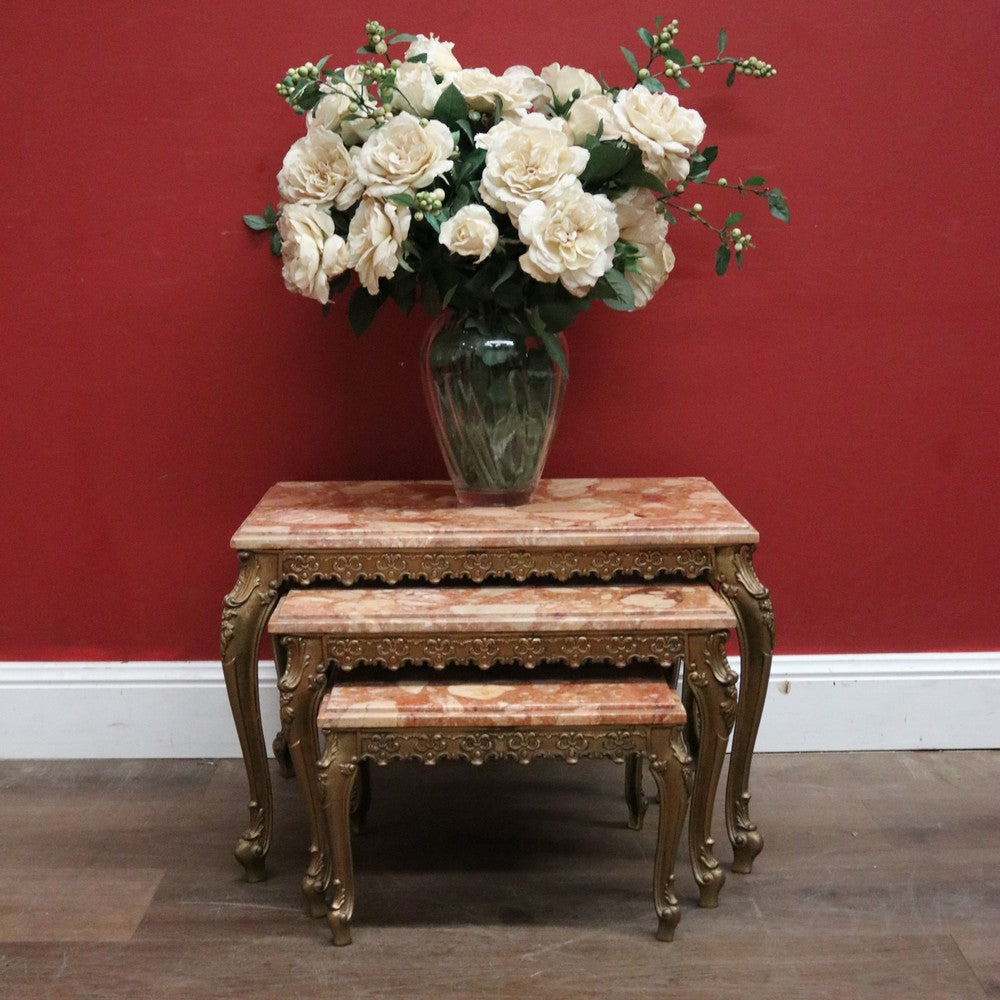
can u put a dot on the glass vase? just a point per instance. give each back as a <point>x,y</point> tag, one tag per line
<point>494,395</point>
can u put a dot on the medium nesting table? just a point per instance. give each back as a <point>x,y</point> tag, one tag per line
<point>340,534</point>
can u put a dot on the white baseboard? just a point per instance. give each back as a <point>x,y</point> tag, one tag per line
<point>180,709</point>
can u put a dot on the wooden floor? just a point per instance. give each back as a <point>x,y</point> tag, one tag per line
<point>880,878</point>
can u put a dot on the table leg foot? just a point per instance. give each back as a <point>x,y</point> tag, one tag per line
<point>251,854</point>
<point>340,929</point>
<point>748,843</point>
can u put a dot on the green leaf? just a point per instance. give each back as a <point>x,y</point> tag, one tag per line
<point>635,175</point>
<point>669,218</point>
<point>722,256</point>
<point>338,284</point>
<point>709,153</point>
<point>554,349</point>
<point>731,77</point>
<point>401,37</point>
<point>682,83</point>
<point>754,182</point>
<point>646,36</point>
<point>451,106</point>
<point>421,58</point>
<point>614,290</point>
<point>322,62</point>
<point>674,55</point>
<point>739,259</point>
<point>276,244</point>
<point>406,200</point>
<point>732,220</point>
<point>608,159</point>
<point>256,222</point>
<point>722,40</point>
<point>630,59</point>
<point>433,221</point>
<point>509,268</point>
<point>778,206</point>
<point>361,310</point>
<point>653,85</point>
<point>269,215</point>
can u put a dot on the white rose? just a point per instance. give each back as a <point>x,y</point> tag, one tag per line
<point>439,56</point>
<point>570,239</point>
<point>417,91</point>
<point>374,240</point>
<point>332,108</point>
<point>653,270</point>
<point>517,88</point>
<point>470,232</point>
<point>311,252</point>
<point>590,112</point>
<point>318,170</point>
<point>638,220</point>
<point>563,81</point>
<point>527,160</point>
<point>666,133</point>
<point>641,224</point>
<point>403,155</point>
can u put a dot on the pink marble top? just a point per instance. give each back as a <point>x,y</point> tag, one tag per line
<point>555,698</point>
<point>498,610</point>
<point>425,515</point>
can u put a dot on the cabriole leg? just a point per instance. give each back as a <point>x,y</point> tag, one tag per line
<point>751,604</point>
<point>244,612</point>
<point>671,765</point>
<point>337,774</point>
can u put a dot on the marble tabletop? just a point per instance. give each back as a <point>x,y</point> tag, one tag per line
<point>504,699</point>
<point>492,610</point>
<point>425,514</point>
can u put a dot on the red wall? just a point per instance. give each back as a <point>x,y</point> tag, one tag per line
<point>841,390</point>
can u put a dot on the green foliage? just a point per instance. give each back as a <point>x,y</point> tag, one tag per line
<point>778,206</point>
<point>722,256</point>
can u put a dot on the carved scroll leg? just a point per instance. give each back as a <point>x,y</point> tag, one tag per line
<point>710,684</point>
<point>751,603</point>
<point>672,769</point>
<point>280,744</point>
<point>337,773</point>
<point>244,611</point>
<point>301,690</point>
<point>634,798</point>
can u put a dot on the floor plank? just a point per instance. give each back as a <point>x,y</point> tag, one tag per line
<point>880,879</point>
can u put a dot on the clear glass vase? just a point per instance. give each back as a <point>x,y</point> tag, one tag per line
<point>494,397</point>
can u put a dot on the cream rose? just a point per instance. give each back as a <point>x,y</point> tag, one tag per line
<point>439,56</point>
<point>470,232</point>
<point>318,170</point>
<point>311,252</point>
<point>641,224</point>
<point>517,89</point>
<point>653,270</point>
<point>570,239</point>
<point>403,155</point>
<point>526,161</point>
<point>374,240</point>
<point>416,89</point>
<point>335,105</point>
<point>666,133</point>
<point>591,112</point>
<point>563,81</point>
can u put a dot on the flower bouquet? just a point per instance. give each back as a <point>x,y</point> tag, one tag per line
<point>504,204</point>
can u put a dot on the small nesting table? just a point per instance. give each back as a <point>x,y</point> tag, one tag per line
<point>340,534</point>
<point>563,714</point>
